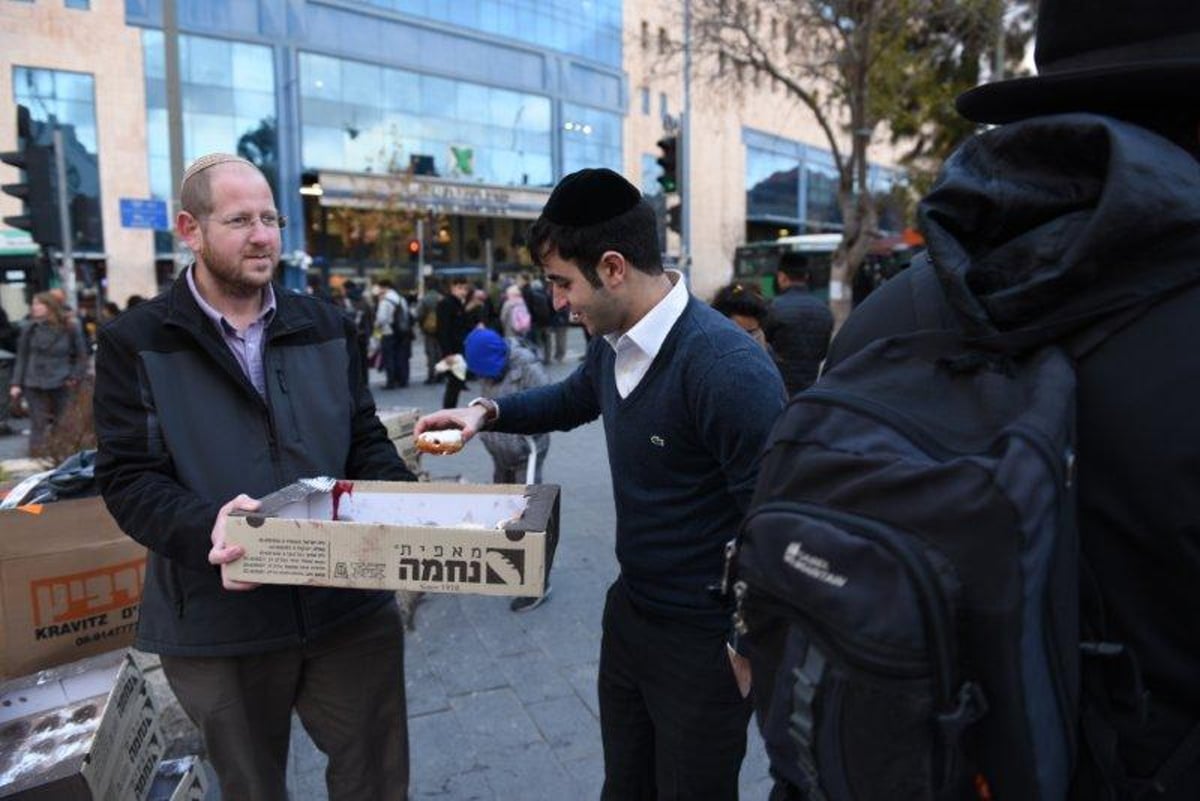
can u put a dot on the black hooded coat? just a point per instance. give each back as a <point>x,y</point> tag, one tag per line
<point>1046,226</point>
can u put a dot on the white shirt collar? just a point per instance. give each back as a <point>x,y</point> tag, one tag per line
<point>649,333</point>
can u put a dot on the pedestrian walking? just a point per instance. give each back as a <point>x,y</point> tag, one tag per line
<point>541,312</point>
<point>362,312</point>
<point>52,358</point>
<point>798,325</point>
<point>515,322</point>
<point>427,315</point>
<point>453,325</point>
<point>394,322</point>
<point>559,327</point>
<point>9,335</point>
<point>218,391</point>
<point>744,304</point>
<point>687,400</point>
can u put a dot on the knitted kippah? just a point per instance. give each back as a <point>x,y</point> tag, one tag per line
<point>590,196</point>
<point>211,160</point>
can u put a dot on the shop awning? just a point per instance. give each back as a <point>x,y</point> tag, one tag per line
<point>423,193</point>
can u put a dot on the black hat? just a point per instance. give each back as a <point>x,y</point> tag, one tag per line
<point>1104,56</point>
<point>590,196</point>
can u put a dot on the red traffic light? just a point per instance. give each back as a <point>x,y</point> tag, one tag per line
<point>414,246</point>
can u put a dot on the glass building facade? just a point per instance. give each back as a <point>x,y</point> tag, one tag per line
<point>67,100</point>
<point>227,92</point>
<point>470,93</point>
<point>367,118</point>
<point>590,29</point>
<point>793,186</point>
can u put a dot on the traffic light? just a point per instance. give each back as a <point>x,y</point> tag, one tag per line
<point>414,249</point>
<point>37,188</point>
<point>675,218</point>
<point>669,180</point>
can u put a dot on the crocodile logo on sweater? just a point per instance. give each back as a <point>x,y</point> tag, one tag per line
<point>657,441</point>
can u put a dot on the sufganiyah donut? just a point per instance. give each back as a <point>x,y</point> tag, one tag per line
<point>440,443</point>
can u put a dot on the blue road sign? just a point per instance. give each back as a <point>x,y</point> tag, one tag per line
<point>150,213</point>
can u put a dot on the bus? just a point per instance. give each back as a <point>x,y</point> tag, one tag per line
<point>759,261</point>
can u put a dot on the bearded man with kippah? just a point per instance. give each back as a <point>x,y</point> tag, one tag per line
<point>687,400</point>
<point>222,389</point>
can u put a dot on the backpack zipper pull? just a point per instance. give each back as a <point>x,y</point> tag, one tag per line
<point>720,590</point>
<point>739,618</point>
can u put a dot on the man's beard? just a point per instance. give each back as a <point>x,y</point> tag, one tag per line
<point>230,277</point>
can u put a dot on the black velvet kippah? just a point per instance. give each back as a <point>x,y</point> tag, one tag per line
<point>590,196</point>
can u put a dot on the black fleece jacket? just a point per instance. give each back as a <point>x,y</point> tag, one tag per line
<point>181,431</point>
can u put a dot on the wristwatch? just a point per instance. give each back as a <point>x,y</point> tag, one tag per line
<point>491,410</point>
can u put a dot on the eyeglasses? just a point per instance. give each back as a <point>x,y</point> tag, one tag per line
<point>244,222</point>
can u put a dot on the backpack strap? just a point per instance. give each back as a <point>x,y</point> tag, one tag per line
<point>802,719</point>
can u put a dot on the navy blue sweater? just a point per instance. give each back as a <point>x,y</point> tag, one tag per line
<point>683,449</point>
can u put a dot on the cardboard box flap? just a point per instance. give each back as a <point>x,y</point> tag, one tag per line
<point>287,497</point>
<point>62,526</point>
<point>513,509</point>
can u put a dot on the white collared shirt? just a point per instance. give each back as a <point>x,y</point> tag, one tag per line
<point>638,346</point>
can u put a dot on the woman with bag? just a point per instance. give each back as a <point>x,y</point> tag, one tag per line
<point>52,358</point>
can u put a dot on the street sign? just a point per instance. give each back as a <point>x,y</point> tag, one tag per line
<point>149,213</point>
<point>17,243</point>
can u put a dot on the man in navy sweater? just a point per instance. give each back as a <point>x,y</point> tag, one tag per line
<point>687,399</point>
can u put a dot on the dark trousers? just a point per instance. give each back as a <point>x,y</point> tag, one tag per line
<point>347,688</point>
<point>672,718</point>
<point>6,371</point>
<point>453,387</point>
<point>433,354</point>
<point>46,407</point>
<point>396,354</point>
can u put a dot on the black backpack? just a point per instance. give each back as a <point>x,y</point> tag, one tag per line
<point>401,320</point>
<point>907,580</point>
<point>538,303</point>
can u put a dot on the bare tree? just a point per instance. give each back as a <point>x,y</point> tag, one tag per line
<point>855,65</point>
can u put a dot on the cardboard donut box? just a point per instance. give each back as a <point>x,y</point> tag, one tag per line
<point>487,539</point>
<point>87,731</point>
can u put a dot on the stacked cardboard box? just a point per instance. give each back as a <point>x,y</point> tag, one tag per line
<point>70,585</point>
<point>182,779</point>
<point>489,539</point>
<point>88,731</point>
